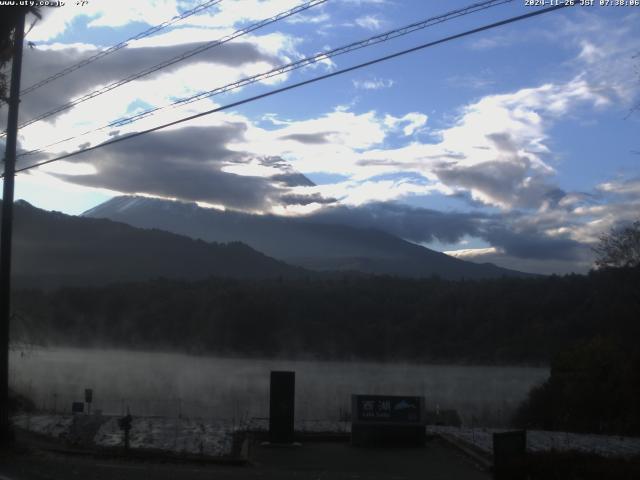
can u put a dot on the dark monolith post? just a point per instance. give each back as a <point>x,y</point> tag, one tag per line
<point>281,407</point>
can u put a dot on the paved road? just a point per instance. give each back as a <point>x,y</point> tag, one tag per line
<point>311,461</point>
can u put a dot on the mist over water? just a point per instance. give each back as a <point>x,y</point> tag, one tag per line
<point>170,384</point>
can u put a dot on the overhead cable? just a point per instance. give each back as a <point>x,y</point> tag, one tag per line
<point>299,84</point>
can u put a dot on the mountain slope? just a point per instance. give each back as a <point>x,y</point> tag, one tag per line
<point>296,241</point>
<point>52,249</point>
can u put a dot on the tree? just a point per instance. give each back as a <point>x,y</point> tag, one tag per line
<point>620,247</point>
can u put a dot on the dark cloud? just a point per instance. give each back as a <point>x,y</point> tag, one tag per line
<point>185,163</point>
<point>298,199</point>
<point>387,162</point>
<point>309,138</point>
<point>504,142</point>
<point>499,180</point>
<point>293,179</point>
<point>424,226</point>
<point>533,244</point>
<point>40,64</point>
<point>509,182</point>
<point>414,224</point>
<point>365,162</point>
<point>289,176</point>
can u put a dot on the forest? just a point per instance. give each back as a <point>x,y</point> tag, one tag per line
<point>343,316</point>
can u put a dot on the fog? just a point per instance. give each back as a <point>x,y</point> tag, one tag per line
<point>171,384</point>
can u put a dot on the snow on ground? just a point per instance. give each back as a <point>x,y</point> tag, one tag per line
<point>302,426</point>
<point>215,437</point>
<point>50,425</point>
<point>204,437</point>
<point>540,441</point>
<point>181,435</point>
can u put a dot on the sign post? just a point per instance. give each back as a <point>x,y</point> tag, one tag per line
<point>88,398</point>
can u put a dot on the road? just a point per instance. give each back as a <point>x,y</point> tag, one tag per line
<point>311,461</point>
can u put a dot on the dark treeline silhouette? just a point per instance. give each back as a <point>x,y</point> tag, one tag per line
<point>502,321</point>
<point>593,387</point>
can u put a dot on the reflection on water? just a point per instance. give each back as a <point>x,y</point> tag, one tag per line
<point>171,384</point>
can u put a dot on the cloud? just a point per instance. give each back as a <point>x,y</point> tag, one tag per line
<point>629,187</point>
<point>374,84</point>
<point>419,225</point>
<point>309,138</point>
<point>603,53</point>
<point>516,241</point>
<point>313,19</point>
<point>369,22</point>
<point>56,21</point>
<point>221,17</point>
<point>532,244</point>
<point>184,163</point>
<point>40,62</point>
<point>304,200</point>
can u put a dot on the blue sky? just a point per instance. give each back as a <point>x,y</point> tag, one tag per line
<point>514,146</point>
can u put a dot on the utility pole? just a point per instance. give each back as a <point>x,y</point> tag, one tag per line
<point>5,234</point>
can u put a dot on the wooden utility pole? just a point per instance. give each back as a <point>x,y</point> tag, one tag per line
<point>6,233</point>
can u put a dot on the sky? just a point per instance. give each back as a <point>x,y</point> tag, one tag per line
<point>517,145</point>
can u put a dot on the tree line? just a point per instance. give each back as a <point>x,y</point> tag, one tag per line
<point>343,316</point>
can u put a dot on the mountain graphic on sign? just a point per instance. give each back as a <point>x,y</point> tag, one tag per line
<point>403,405</point>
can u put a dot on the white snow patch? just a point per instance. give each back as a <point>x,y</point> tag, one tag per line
<point>543,441</point>
<point>180,435</point>
<point>50,425</point>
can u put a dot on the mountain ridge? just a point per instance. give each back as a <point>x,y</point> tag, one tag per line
<point>51,249</point>
<point>297,240</point>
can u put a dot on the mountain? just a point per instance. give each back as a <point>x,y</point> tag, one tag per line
<point>52,249</point>
<point>297,241</point>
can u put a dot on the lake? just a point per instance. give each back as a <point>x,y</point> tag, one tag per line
<point>171,384</point>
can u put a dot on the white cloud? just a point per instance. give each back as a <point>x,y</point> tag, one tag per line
<point>356,193</point>
<point>312,19</point>
<point>629,187</point>
<point>369,22</point>
<point>373,84</point>
<point>471,253</point>
<point>114,13</point>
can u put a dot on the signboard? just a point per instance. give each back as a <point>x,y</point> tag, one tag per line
<point>77,407</point>
<point>387,420</point>
<point>387,409</point>
<point>281,407</point>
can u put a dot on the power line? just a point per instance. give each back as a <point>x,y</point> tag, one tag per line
<point>300,8</point>
<point>383,37</point>
<point>120,46</point>
<point>300,84</point>
<point>282,69</point>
